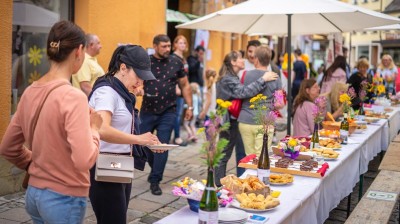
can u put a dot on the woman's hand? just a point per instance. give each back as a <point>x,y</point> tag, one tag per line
<point>95,120</point>
<point>202,115</point>
<point>148,139</point>
<point>270,76</point>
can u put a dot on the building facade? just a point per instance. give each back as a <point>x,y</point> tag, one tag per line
<point>25,25</point>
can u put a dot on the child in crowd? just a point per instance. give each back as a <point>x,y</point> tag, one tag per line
<point>190,125</point>
<point>210,98</point>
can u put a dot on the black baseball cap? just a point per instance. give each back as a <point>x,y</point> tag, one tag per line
<point>137,58</point>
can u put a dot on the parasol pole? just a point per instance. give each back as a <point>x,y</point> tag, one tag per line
<point>289,52</point>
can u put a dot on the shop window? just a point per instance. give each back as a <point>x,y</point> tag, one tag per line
<point>32,20</point>
<point>363,51</point>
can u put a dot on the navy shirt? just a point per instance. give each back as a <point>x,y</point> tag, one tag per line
<point>160,94</point>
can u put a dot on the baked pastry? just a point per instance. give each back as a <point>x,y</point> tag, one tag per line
<point>281,178</point>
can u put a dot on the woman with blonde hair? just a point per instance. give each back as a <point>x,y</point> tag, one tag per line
<point>333,105</point>
<point>179,47</point>
<point>388,71</point>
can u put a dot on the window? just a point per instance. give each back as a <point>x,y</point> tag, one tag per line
<point>32,21</point>
<point>363,51</point>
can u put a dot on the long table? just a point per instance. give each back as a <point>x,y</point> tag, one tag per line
<point>309,200</point>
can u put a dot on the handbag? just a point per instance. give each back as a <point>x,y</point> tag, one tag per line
<point>115,168</point>
<point>236,106</point>
<point>35,119</point>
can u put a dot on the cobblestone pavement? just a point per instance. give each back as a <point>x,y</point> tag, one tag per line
<point>145,208</point>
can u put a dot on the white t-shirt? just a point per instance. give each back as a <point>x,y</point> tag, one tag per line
<point>106,98</point>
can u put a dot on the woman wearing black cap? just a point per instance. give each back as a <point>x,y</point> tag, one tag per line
<point>111,97</point>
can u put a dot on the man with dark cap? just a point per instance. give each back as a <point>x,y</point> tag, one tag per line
<point>159,104</point>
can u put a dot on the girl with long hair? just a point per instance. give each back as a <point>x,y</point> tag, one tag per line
<point>229,88</point>
<point>303,121</point>
<point>180,46</point>
<point>335,73</point>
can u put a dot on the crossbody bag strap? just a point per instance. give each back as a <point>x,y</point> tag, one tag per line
<point>132,129</point>
<point>37,113</point>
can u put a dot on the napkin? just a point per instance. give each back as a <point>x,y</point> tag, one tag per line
<point>323,169</point>
<point>248,158</point>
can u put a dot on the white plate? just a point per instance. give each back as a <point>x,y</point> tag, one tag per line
<point>231,215</point>
<point>279,184</point>
<point>322,147</point>
<point>359,131</point>
<point>371,119</point>
<point>162,147</point>
<point>330,159</point>
<point>236,204</point>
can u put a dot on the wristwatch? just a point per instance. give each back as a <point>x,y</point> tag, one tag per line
<point>190,108</point>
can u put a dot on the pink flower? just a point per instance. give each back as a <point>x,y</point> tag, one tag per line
<point>279,96</point>
<point>351,92</point>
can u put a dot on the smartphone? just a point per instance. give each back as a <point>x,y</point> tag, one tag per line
<point>259,219</point>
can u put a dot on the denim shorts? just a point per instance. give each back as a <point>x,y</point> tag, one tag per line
<point>46,206</point>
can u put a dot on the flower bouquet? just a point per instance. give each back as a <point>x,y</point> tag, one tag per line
<point>291,147</point>
<point>192,190</point>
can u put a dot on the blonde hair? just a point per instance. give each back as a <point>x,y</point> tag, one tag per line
<point>195,88</point>
<point>362,62</point>
<point>211,77</point>
<point>391,65</point>
<point>337,89</point>
<point>176,40</point>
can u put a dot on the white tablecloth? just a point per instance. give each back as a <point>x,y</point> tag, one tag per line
<point>394,122</point>
<point>309,200</point>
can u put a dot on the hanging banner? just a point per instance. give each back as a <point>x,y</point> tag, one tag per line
<point>202,38</point>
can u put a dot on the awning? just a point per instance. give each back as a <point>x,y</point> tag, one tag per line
<point>179,17</point>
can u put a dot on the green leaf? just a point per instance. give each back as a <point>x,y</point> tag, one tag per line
<point>222,143</point>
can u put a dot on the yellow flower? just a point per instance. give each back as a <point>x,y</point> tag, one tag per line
<point>253,99</point>
<point>264,97</point>
<point>35,55</point>
<point>225,104</point>
<point>201,130</point>
<point>381,89</point>
<point>344,98</point>
<point>252,106</point>
<point>259,95</point>
<point>33,77</point>
<point>292,142</point>
<point>219,101</point>
<point>228,103</point>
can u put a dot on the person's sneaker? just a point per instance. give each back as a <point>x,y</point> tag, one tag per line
<point>155,189</point>
<point>180,142</point>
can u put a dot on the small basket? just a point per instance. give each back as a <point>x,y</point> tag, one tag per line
<point>193,205</point>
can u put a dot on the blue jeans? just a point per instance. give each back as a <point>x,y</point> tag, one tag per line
<point>179,112</point>
<point>164,124</point>
<point>46,206</point>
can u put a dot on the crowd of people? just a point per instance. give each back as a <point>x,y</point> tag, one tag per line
<point>99,115</point>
